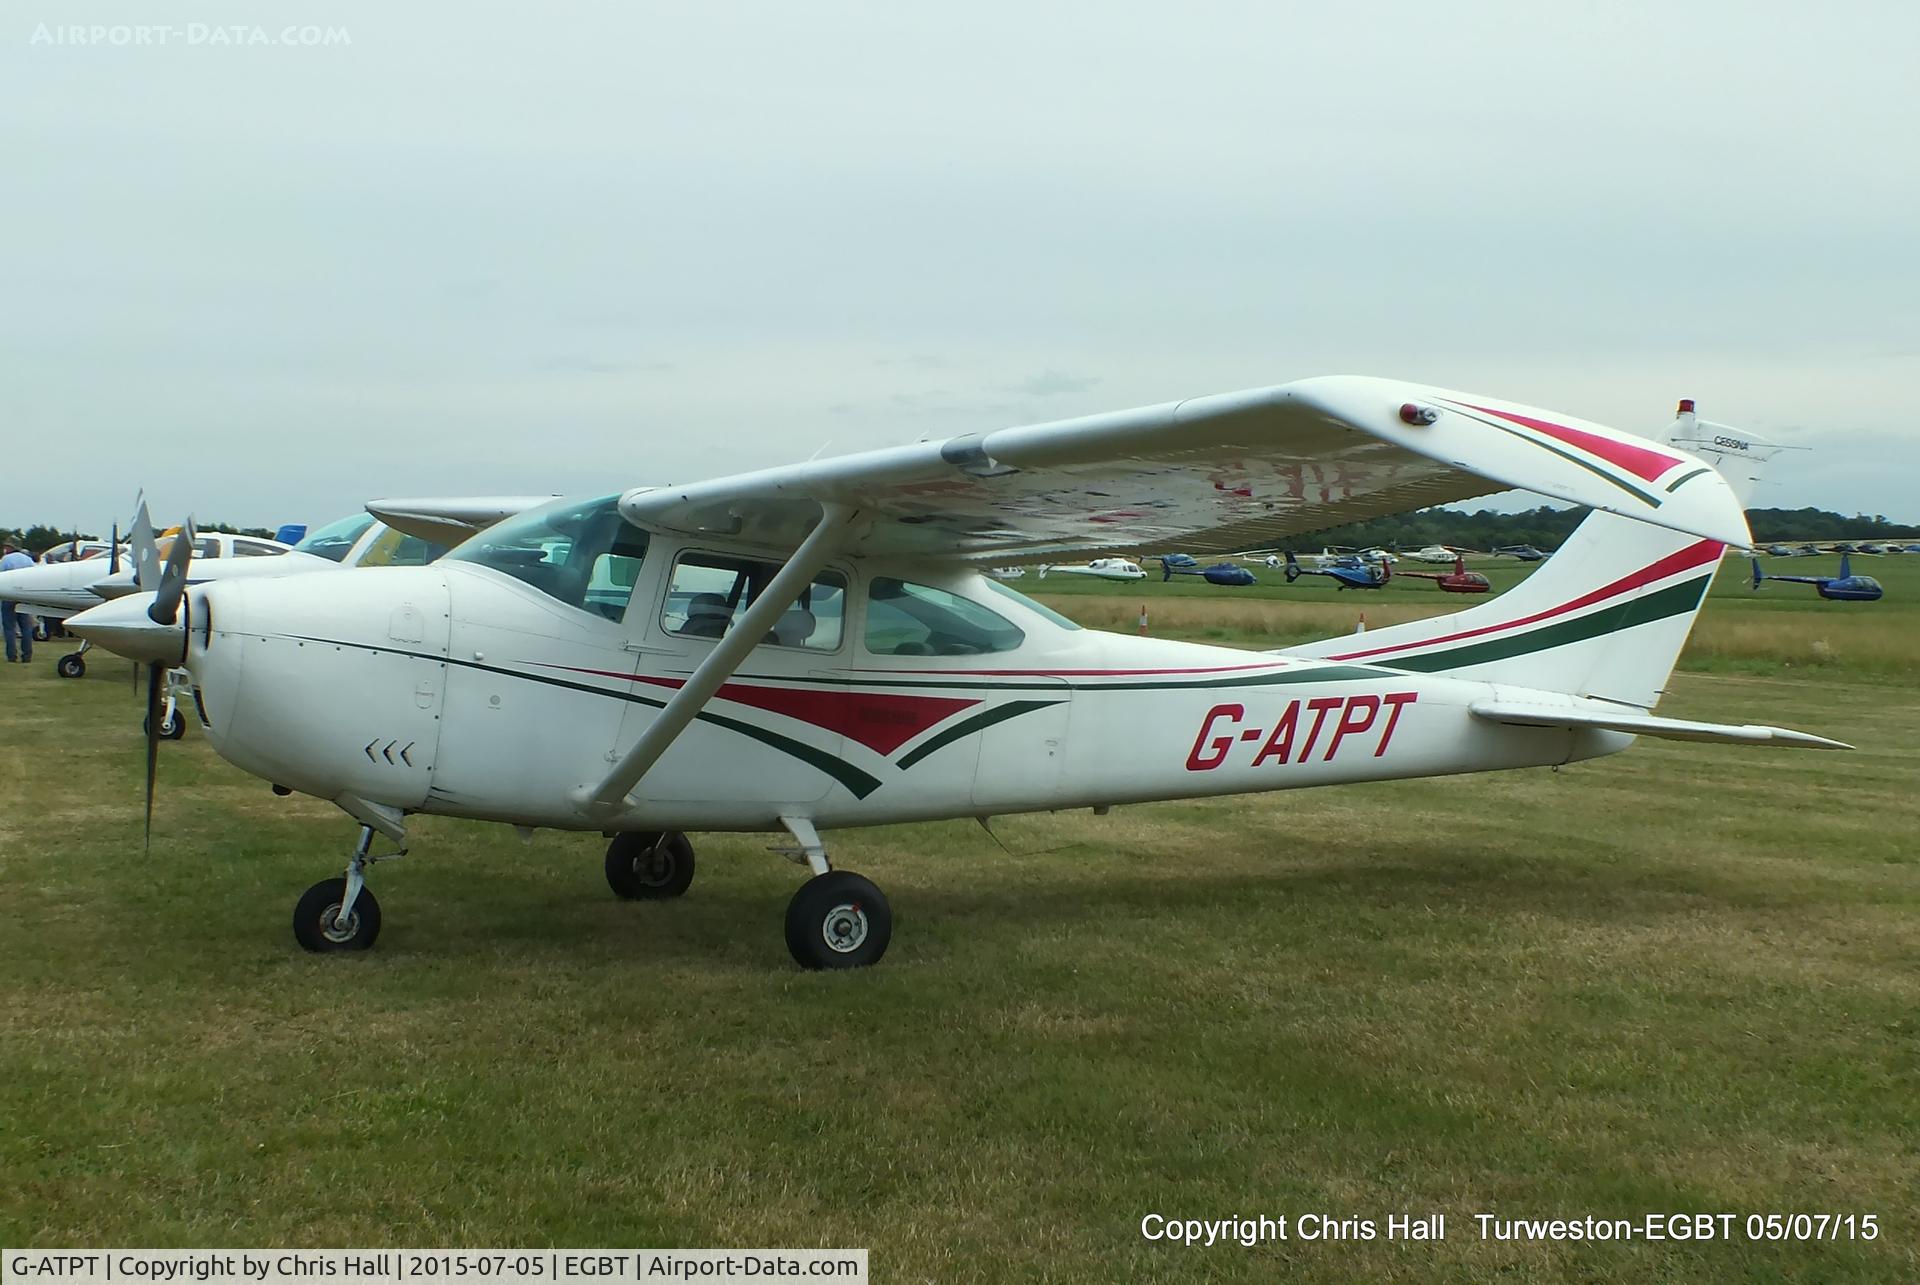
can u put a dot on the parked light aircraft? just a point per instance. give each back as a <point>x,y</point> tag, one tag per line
<point>814,646</point>
<point>1097,569</point>
<point>358,540</point>
<point>1845,587</point>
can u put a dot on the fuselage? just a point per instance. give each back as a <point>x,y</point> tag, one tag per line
<point>910,691</point>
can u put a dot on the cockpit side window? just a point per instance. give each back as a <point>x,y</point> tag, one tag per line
<point>907,619</point>
<point>581,552</point>
<point>708,590</point>
<point>334,540</point>
<point>393,548</point>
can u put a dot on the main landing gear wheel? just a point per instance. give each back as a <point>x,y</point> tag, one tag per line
<point>838,920</point>
<point>172,727</point>
<point>648,866</point>
<point>71,665</point>
<point>316,919</point>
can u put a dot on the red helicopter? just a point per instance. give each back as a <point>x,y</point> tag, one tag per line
<point>1458,580</point>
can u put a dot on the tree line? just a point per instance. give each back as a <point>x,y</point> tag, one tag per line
<point>1545,528</point>
<point>37,539</point>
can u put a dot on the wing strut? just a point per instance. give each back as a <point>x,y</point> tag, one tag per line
<point>749,630</point>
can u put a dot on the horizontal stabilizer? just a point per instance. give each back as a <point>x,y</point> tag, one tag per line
<point>1672,729</point>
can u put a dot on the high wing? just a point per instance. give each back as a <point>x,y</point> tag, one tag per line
<point>1207,475</point>
<point>450,519</point>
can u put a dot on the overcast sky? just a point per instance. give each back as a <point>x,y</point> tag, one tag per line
<point>483,248</point>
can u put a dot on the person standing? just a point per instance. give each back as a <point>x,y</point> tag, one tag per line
<point>12,619</point>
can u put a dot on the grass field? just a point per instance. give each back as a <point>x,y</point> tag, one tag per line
<point>1685,978</point>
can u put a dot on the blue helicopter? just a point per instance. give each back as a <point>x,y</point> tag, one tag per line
<point>1845,587</point>
<point>1372,575</point>
<point>1220,573</point>
<point>1524,552</point>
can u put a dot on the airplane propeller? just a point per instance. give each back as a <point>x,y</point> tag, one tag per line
<point>166,579</point>
<point>156,706</point>
<point>173,578</point>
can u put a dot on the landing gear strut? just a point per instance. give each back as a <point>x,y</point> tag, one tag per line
<point>342,914</point>
<point>838,919</point>
<point>649,866</point>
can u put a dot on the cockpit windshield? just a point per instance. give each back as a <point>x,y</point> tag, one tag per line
<point>334,540</point>
<point>579,551</point>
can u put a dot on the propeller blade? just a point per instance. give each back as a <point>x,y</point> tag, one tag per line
<point>173,578</point>
<point>146,552</point>
<point>156,676</point>
<point>113,552</point>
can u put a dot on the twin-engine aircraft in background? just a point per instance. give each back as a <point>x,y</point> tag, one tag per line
<point>412,533</point>
<point>815,646</point>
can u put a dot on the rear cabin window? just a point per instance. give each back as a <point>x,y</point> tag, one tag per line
<point>709,591</point>
<point>907,619</point>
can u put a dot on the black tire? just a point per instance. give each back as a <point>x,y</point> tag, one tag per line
<point>71,665</point>
<point>838,920</point>
<point>649,866</point>
<point>313,925</point>
<point>172,727</point>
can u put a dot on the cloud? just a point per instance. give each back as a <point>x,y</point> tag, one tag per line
<point>1052,383</point>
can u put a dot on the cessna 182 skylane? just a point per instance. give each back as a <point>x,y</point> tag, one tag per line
<point>815,646</point>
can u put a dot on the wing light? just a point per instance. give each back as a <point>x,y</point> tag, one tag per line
<point>1417,415</point>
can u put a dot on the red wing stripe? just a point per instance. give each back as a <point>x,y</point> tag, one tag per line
<point>1640,461</point>
<point>1694,555</point>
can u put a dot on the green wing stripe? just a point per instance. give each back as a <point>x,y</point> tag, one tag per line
<point>1652,501</point>
<point>1674,600</point>
<point>1685,478</point>
<point>968,726</point>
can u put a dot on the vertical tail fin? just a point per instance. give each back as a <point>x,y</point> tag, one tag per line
<point>1605,617</point>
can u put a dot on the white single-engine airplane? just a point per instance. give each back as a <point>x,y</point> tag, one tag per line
<point>816,646</point>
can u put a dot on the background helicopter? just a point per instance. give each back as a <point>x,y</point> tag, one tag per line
<point>1524,552</point>
<point>1220,573</point>
<point>1364,576</point>
<point>1458,580</point>
<point>1845,587</point>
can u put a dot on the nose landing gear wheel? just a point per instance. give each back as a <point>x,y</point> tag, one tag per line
<point>316,924</point>
<point>172,727</point>
<point>648,866</point>
<point>838,920</point>
<point>71,665</point>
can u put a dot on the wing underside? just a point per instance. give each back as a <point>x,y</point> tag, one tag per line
<point>1214,474</point>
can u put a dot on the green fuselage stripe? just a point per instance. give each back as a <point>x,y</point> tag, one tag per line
<point>968,726</point>
<point>1674,600</point>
